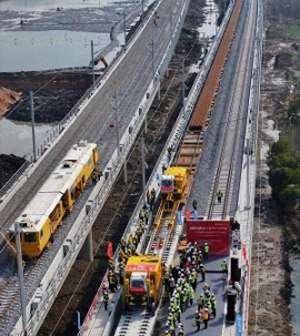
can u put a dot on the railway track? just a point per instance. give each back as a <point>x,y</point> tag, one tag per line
<point>161,115</point>
<point>34,272</point>
<point>224,176</point>
<point>9,295</point>
<point>162,240</point>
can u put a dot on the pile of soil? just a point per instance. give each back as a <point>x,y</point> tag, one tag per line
<point>7,99</point>
<point>9,164</point>
<point>55,93</point>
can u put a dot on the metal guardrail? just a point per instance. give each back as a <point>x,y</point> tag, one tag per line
<point>173,141</point>
<point>46,294</point>
<point>254,108</point>
<point>13,179</point>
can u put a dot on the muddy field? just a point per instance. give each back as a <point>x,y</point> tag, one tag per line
<point>275,235</point>
<point>9,164</point>
<point>55,93</point>
<point>89,19</point>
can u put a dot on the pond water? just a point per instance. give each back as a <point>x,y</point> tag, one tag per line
<point>42,5</point>
<point>209,28</point>
<point>295,302</point>
<point>16,137</point>
<point>43,50</point>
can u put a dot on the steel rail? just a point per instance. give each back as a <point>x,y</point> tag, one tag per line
<point>174,140</point>
<point>227,138</point>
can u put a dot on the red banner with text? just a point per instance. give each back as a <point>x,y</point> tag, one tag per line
<point>214,232</point>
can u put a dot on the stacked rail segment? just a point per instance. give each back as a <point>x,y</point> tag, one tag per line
<point>188,156</point>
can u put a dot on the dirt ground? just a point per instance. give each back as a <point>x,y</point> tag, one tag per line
<point>9,164</point>
<point>7,99</point>
<point>55,93</point>
<point>270,312</point>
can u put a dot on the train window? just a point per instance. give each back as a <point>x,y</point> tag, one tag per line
<point>73,194</point>
<point>41,233</point>
<point>65,199</point>
<point>30,237</point>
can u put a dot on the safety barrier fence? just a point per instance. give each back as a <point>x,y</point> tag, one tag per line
<point>52,282</point>
<point>164,159</point>
<point>13,178</point>
<point>252,135</point>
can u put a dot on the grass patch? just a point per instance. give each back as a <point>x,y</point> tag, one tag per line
<point>293,31</point>
<point>287,31</point>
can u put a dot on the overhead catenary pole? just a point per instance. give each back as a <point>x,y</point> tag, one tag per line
<point>93,61</point>
<point>20,274</point>
<point>143,161</point>
<point>125,172</point>
<point>33,126</point>
<point>142,7</point>
<point>116,115</point>
<point>152,57</point>
<point>248,206</point>
<point>124,26</point>
<point>183,84</point>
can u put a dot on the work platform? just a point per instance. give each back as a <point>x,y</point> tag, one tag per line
<point>217,283</point>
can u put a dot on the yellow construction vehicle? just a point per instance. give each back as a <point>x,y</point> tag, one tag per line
<point>143,282</point>
<point>175,181</point>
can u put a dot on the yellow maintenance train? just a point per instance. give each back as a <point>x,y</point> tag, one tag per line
<point>55,199</point>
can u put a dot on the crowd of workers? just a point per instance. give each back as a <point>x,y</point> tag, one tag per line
<point>180,281</point>
<point>127,249</point>
<point>181,286</point>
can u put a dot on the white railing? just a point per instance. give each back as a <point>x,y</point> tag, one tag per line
<point>253,113</point>
<point>52,282</point>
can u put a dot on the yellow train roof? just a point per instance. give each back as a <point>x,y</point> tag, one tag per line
<point>43,203</point>
<point>65,174</point>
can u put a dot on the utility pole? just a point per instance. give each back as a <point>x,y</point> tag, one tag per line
<point>125,172</point>
<point>248,174</point>
<point>142,4</point>
<point>124,26</point>
<point>152,56</point>
<point>143,161</point>
<point>146,125</point>
<point>20,273</point>
<point>116,115</point>
<point>33,126</point>
<point>183,84</point>
<point>93,62</point>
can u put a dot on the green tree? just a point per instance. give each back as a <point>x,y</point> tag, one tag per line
<point>284,174</point>
<point>279,179</point>
<point>289,197</point>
